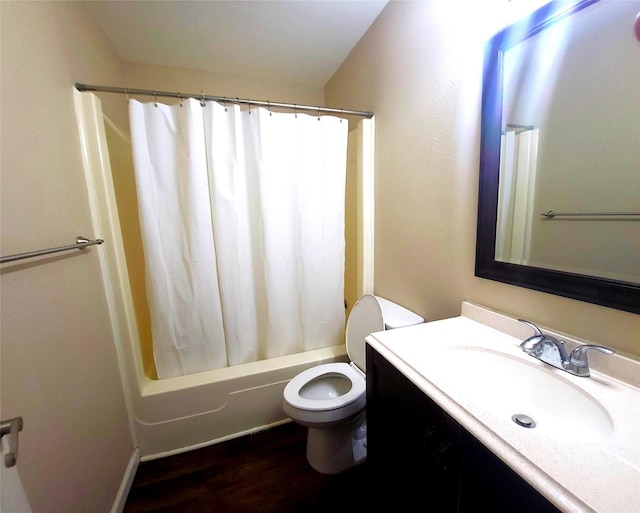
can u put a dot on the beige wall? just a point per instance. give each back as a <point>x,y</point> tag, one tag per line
<point>419,69</point>
<point>59,365</point>
<point>145,76</point>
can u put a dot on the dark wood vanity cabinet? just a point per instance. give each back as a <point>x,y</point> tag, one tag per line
<point>421,459</point>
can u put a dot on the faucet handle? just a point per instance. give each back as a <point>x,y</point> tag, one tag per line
<point>578,356</point>
<point>547,348</point>
<point>531,345</point>
<point>578,363</point>
<point>529,323</point>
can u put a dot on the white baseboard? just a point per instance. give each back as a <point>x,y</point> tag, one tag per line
<point>127,481</point>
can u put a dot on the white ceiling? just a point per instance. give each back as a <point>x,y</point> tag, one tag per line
<point>296,41</point>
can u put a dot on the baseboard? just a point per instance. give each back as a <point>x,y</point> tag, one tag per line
<point>127,481</point>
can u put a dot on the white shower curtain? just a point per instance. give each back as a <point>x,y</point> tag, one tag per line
<point>242,217</point>
<point>516,195</point>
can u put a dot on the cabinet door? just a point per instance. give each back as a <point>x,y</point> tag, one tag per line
<point>491,485</point>
<point>412,444</point>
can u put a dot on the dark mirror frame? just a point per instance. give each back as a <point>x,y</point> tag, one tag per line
<point>601,291</point>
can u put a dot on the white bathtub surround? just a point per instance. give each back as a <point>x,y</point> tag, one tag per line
<point>175,415</point>
<point>597,471</point>
<point>242,219</point>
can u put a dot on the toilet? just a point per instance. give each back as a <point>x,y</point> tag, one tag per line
<point>329,399</point>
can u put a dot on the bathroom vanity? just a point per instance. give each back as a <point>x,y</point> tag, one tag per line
<point>440,401</point>
<point>426,456</point>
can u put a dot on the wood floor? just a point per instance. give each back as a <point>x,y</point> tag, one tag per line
<point>264,472</point>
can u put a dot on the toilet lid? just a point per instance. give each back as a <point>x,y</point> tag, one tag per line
<point>365,318</point>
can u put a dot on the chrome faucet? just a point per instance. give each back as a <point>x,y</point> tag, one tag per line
<point>551,350</point>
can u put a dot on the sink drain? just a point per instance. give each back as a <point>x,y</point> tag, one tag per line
<point>524,420</point>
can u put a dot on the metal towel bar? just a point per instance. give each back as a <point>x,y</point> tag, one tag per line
<point>551,214</point>
<point>81,242</point>
<point>10,428</point>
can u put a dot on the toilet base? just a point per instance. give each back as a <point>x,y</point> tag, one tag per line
<point>331,450</point>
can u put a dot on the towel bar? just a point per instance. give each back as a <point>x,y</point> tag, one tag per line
<point>81,242</point>
<point>552,213</point>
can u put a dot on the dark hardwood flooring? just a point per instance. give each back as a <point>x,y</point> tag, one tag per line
<point>264,472</point>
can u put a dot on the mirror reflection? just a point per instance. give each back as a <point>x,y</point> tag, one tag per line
<point>569,186</point>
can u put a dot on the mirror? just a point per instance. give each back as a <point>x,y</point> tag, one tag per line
<point>559,192</point>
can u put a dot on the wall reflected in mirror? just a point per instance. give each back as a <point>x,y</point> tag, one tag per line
<point>571,144</point>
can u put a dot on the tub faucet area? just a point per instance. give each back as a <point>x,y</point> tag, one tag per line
<point>552,351</point>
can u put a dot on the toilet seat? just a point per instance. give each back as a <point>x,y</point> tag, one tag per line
<point>365,318</point>
<point>341,369</point>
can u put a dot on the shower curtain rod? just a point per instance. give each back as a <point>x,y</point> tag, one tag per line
<point>224,99</point>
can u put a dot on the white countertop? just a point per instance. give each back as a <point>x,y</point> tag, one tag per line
<point>577,476</point>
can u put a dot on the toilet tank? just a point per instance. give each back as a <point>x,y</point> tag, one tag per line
<point>396,316</point>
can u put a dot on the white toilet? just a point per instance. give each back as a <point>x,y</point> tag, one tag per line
<point>330,398</point>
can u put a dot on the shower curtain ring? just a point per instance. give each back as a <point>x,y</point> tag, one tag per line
<point>318,112</point>
<point>269,108</point>
<point>295,113</point>
<point>155,99</point>
<point>126,91</point>
<point>341,114</point>
<point>180,98</point>
<point>202,103</point>
<point>224,102</point>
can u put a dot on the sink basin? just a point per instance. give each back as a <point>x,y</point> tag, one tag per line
<point>505,386</point>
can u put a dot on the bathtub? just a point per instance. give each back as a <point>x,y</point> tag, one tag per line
<point>177,414</point>
<point>174,415</point>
